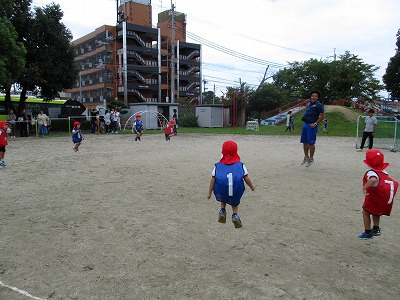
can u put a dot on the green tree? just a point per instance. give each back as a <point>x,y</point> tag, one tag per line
<point>391,78</point>
<point>347,77</point>
<point>12,57</point>
<point>50,64</point>
<point>12,51</point>
<point>302,77</point>
<point>210,98</point>
<point>267,97</point>
<point>350,78</point>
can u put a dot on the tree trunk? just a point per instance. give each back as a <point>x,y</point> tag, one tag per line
<point>22,100</point>
<point>7,100</point>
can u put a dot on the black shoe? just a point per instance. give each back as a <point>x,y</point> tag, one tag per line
<point>376,232</point>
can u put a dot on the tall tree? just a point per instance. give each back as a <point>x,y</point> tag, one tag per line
<point>347,77</point>
<point>302,77</point>
<point>350,78</point>
<point>12,57</point>
<point>267,97</point>
<point>391,78</point>
<point>12,50</point>
<point>210,98</point>
<point>50,64</point>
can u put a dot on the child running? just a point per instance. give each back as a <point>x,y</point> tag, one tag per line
<point>3,142</point>
<point>138,127</point>
<point>169,129</point>
<point>227,182</point>
<point>379,190</point>
<point>77,136</point>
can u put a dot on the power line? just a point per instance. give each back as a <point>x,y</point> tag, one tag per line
<point>230,52</point>
<point>205,22</point>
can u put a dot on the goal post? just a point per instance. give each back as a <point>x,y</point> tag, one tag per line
<point>387,133</point>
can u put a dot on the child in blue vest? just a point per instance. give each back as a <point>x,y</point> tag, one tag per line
<point>138,127</point>
<point>227,182</point>
<point>76,136</point>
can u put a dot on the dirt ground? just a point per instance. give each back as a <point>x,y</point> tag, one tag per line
<point>131,220</point>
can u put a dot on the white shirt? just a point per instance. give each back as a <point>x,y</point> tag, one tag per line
<point>369,123</point>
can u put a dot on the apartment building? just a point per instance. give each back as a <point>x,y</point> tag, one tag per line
<point>133,62</point>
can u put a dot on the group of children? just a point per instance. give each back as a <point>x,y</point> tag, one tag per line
<point>229,176</point>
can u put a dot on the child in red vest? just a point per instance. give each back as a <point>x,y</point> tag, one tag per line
<point>3,142</point>
<point>379,190</point>
<point>169,129</point>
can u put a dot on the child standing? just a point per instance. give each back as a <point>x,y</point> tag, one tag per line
<point>326,125</point>
<point>138,127</point>
<point>227,182</point>
<point>169,129</point>
<point>289,121</point>
<point>379,190</point>
<point>3,142</point>
<point>77,136</point>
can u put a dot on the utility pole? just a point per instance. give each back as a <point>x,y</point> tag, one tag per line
<point>125,56</point>
<point>172,53</point>
<point>214,95</point>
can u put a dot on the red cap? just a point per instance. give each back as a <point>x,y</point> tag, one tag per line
<point>229,153</point>
<point>138,115</point>
<point>76,123</point>
<point>374,159</point>
<point>3,123</point>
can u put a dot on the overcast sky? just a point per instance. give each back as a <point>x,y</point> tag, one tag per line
<point>277,31</point>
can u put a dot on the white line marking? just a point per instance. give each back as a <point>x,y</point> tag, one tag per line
<point>20,291</point>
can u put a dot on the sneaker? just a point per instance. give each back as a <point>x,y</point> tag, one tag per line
<point>365,236</point>
<point>2,164</point>
<point>236,221</point>
<point>310,162</point>
<point>135,139</point>
<point>359,150</point>
<point>76,150</point>
<point>222,216</point>
<point>376,232</point>
<point>305,160</point>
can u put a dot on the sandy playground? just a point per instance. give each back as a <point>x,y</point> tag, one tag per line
<point>130,220</point>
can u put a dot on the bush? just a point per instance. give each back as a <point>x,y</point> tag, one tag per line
<point>188,119</point>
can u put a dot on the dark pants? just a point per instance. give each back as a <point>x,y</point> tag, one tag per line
<point>364,138</point>
<point>94,127</point>
<point>23,129</point>
<point>108,129</point>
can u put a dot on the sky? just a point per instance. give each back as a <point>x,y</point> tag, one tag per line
<point>274,32</point>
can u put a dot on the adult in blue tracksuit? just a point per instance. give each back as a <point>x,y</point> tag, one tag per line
<point>313,115</point>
